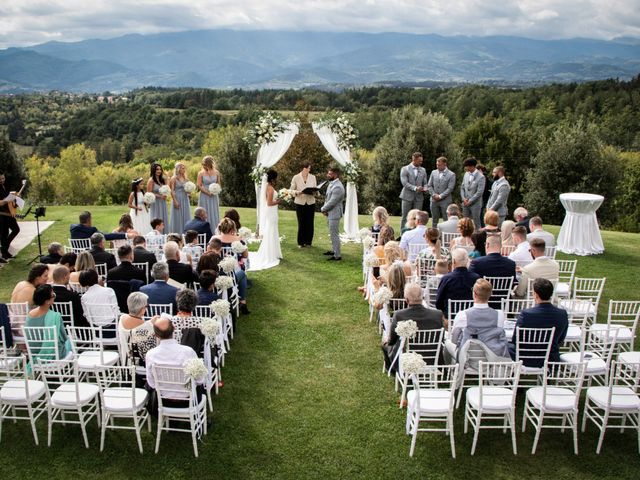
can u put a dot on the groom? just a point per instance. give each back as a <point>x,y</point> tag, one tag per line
<point>332,209</point>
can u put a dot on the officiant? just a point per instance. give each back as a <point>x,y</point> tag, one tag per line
<point>305,203</point>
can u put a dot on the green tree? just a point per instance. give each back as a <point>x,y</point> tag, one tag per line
<point>235,162</point>
<point>76,185</point>
<point>10,164</point>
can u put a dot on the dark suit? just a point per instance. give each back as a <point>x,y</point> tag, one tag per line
<point>141,255</point>
<point>161,292</point>
<point>494,265</point>
<point>200,226</point>
<point>456,285</point>
<point>543,315</point>
<point>524,223</point>
<point>181,272</point>
<point>426,319</point>
<point>100,256</point>
<point>50,259</point>
<point>206,297</point>
<point>126,271</point>
<point>64,295</point>
<point>78,230</point>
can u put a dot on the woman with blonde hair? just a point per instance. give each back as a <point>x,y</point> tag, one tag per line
<point>505,232</point>
<point>395,281</point>
<point>380,219</point>
<point>208,176</point>
<point>84,261</point>
<point>180,208</point>
<point>393,253</point>
<point>411,221</point>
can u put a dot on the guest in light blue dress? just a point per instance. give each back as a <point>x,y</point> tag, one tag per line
<point>180,208</point>
<point>208,175</point>
<point>159,208</point>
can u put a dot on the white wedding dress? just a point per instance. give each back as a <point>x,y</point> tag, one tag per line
<point>140,218</point>
<point>269,253</point>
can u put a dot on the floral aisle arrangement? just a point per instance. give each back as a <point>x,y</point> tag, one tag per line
<point>371,260</point>
<point>194,369</point>
<point>189,187</point>
<point>340,125</point>
<point>215,189</point>
<point>220,308</point>
<point>149,198</point>
<point>210,327</point>
<point>228,264</point>
<point>368,242</point>
<point>412,363</point>
<point>382,296</point>
<point>364,233</point>
<point>238,247</point>
<point>407,329</point>
<point>224,282</point>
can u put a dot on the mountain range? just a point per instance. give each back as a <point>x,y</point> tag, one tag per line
<point>285,59</point>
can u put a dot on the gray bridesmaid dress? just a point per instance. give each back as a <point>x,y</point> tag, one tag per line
<point>180,216</point>
<point>159,207</point>
<point>210,203</point>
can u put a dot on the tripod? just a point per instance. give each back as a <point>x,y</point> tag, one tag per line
<point>39,212</point>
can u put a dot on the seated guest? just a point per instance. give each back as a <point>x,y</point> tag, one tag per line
<point>206,293</point>
<point>141,254</point>
<point>184,257</point>
<point>191,248</point>
<point>187,300</point>
<point>385,236</point>
<point>232,214</point>
<point>43,316</point>
<point>466,227</point>
<point>521,255</point>
<point>24,290</point>
<point>493,264</point>
<point>199,223</point>
<point>133,329</point>
<point>155,238</point>
<point>380,219</point>
<point>98,252</point>
<point>55,251</point>
<point>491,221</point>
<point>125,225</point>
<point>67,260</point>
<point>84,261</point>
<point>521,216</point>
<point>96,294</point>
<point>393,253</point>
<point>506,231</point>
<point>541,267</point>
<point>159,291</point>
<point>210,259</point>
<point>543,315</point>
<point>126,271</point>
<point>535,225</point>
<point>417,234</point>
<point>410,223</point>
<point>178,272</point>
<point>84,229</point>
<point>228,235</point>
<point>425,317</point>
<point>395,281</point>
<point>479,322</point>
<point>168,353</point>
<point>458,284</point>
<point>63,294</point>
<point>451,224</point>
<point>433,248</point>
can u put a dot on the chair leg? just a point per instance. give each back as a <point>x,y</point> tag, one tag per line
<point>193,438</point>
<point>574,428</point>
<point>603,429</point>
<point>160,420</point>
<point>414,435</point>
<point>31,420</point>
<point>476,430</point>
<point>103,429</point>
<point>49,425</point>
<point>539,421</point>
<point>83,427</point>
<point>137,426</point>
<point>512,421</point>
<point>451,437</point>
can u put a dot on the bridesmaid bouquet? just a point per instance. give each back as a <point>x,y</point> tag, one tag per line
<point>245,233</point>
<point>149,198</point>
<point>189,187</point>
<point>164,190</point>
<point>215,189</point>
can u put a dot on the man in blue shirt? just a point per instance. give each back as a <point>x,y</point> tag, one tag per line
<point>457,285</point>
<point>199,223</point>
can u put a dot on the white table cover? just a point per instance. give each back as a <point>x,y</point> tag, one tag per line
<point>580,234</point>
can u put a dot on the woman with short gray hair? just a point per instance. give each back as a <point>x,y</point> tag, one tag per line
<point>132,328</point>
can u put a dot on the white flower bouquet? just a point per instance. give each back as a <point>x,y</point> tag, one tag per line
<point>210,327</point>
<point>164,190</point>
<point>382,296</point>
<point>228,264</point>
<point>194,369</point>
<point>189,187</point>
<point>286,195</point>
<point>245,233</point>
<point>215,189</point>
<point>368,242</point>
<point>364,233</point>
<point>371,260</point>
<point>412,363</point>
<point>220,308</point>
<point>149,198</point>
<point>407,329</point>
<point>238,247</point>
<point>224,282</point>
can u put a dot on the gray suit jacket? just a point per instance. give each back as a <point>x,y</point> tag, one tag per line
<point>410,183</point>
<point>443,187</point>
<point>499,196</point>
<point>472,186</point>
<point>333,200</point>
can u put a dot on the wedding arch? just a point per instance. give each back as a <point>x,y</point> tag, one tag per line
<point>273,137</point>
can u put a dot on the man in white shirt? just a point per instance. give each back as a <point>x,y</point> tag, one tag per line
<point>451,224</point>
<point>155,238</point>
<point>535,225</point>
<point>541,267</point>
<point>415,235</point>
<point>522,254</point>
<point>97,301</point>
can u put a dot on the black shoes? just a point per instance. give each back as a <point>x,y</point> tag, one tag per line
<point>7,256</point>
<point>328,253</point>
<point>243,309</point>
<point>334,259</point>
<point>2,260</point>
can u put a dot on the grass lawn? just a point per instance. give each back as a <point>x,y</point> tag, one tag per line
<point>304,395</point>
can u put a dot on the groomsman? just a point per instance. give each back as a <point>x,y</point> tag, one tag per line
<point>471,191</point>
<point>499,194</point>
<point>414,184</point>
<point>333,209</point>
<point>441,183</point>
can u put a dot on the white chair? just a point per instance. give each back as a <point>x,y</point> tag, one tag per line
<point>89,351</point>
<point>172,384</point>
<point>501,288</point>
<point>17,316</point>
<point>533,346</point>
<point>430,286</point>
<point>67,395</point>
<point>578,313</point>
<point>79,245</point>
<point>42,344</point>
<point>618,400</point>
<point>589,290</point>
<point>490,402</point>
<point>431,400</point>
<point>102,269</point>
<point>455,306</point>
<point>76,287</point>
<point>596,348</point>
<point>427,343</point>
<point>201,241</point>
<point>154,309</point>
<point>65,309</point>
<point>446,237</point>
<point>554,282</point>
<point>511,307</point>
<point>228,252</point>
<point>144,266</point>
<point>557,399</point>
<point>120,399</point>
<point>550,252</point>
<point>624,315</point>
<point>105,316</point>
<point>204,311</point>
<point>566,274</point>
<point>425,267</point>
<point>21,398</point>
<point>414,249</point>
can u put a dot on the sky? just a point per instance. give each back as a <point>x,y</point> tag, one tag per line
<point>30,22</point>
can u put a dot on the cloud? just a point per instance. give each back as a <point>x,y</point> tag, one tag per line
<point>27,22</point>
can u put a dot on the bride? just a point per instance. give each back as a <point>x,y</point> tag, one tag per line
<point>269,253</point>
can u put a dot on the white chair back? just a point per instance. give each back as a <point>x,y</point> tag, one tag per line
<point>79,245</point>
<point>414,249</point>
<point>554,282</point>
<point>507,250</point>
<point>154,309</point>
<point>447,237</point>
<point>559,377</point>
<point>501,288</point>
<point>42,344</point>
<point>533,345</point>
<point>626,314</point>
<point>455,306</point>
<point>17,316</point>
<point>76,287</point>
<point>566,274</point>
<point>65,309</point>
<point>490,374</point>
<point>550,252</point>
<point>428,343</point>
<point>144,266</point>
<point>102,270</point>
<point>589,289</point>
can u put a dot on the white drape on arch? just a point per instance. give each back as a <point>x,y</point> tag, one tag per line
<point>330,142</point>
<point>268,155</point>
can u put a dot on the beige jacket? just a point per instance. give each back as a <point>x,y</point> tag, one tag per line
<point>297,183</point>
<point>541,267</point>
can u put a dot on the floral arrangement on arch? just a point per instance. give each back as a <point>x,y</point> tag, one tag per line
<point>341,126</point>
<point>257,173</point>
<point>265,130</point>
<point>351,171</point>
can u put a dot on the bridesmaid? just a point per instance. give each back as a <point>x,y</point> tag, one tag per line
<point>180,208</point>
<point>206,176</point>
<point>156,180</point>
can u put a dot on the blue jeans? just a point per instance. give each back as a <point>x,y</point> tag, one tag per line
<point>241,278</point>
